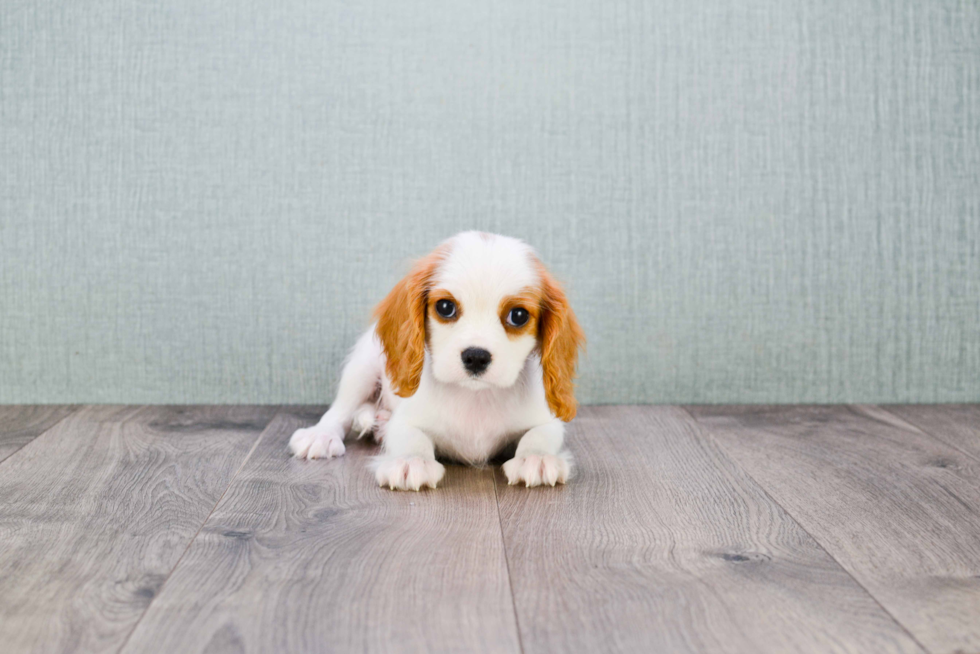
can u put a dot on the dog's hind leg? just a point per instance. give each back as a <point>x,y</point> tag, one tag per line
<point>364,418</point>
<point>359,384</point>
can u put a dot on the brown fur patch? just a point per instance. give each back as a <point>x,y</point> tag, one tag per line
<point>529,299</point>
<point>401,324</point>
<point>442,294</point>
<point>561,338</point>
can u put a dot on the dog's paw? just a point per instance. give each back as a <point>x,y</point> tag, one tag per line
<point>538,469</point>
<point>408,474</point>
<point>381,419</point>
<point>363,421</point>
<point>318,442</point>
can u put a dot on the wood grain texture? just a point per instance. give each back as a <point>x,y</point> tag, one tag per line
<point>97,511</point>
<point>313,556</point>
<point>955,424</point>
<point>900,510</point>
<point>661,544</point>
<point>20,424</point>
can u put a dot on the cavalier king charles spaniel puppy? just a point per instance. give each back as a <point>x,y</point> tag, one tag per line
<point>473,350</point>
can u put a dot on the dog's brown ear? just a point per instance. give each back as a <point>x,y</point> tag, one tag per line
<point>401,325</point>
<point>561,338</point>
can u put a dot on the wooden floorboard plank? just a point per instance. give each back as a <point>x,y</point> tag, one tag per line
<point>98,510</point>
<point>900,510</point>
<point>955,424</point>
<point>661,544</point>
<point>20,424</point>
<point>311,556</point>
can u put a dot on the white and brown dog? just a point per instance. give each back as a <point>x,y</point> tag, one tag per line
<point>475,349</point>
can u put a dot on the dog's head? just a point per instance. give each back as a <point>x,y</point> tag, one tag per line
<point>481,304</point>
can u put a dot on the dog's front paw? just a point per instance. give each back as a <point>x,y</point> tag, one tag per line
<point>318,442</point>
<point>538,469</point>
<point>408,474</point>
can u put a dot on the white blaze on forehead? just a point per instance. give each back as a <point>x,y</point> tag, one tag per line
<point>487,265</point>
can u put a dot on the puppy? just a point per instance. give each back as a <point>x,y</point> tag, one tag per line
<point>475,349</point>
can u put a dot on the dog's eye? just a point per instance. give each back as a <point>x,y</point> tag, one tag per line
<point>446,308</point>
<point>517,317</point>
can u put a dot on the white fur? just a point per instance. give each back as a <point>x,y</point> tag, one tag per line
<point>452,413</point>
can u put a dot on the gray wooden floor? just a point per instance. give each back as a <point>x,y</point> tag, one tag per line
<point>708,529</point>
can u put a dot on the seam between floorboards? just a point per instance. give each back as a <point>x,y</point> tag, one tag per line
<point>170,574</point>
<point>510,580</point>
<point>77,408</point>
<point>928,433</point>
<point>706,433</point>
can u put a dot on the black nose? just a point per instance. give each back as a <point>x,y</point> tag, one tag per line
<point>475,360</point>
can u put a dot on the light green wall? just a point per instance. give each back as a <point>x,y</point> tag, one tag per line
<point>760,201</point>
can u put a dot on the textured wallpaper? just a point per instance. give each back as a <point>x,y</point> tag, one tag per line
<point>758,201</point>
